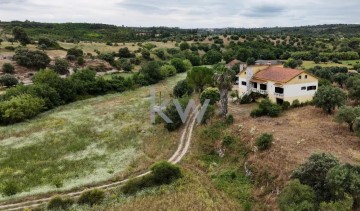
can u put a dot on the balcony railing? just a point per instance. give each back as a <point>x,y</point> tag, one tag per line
<point>263,92</point>
<point>279,94</point>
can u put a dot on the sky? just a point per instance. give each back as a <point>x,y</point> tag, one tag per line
<point>185,13</point>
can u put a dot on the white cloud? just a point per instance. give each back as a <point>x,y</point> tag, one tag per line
<point>184,13</point>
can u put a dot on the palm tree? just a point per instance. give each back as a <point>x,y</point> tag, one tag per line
<point>223,80</point>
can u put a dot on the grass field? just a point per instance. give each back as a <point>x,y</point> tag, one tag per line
<point>125,75</point>
<point>85,142</point>
<point>349,64</point>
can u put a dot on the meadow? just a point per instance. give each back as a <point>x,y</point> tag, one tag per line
<point>85,142</point>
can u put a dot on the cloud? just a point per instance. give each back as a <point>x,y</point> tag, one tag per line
<point>185,13</point>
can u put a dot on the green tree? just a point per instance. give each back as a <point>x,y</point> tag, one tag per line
<point>8,68</point>
<point>348,115</point>
<point>21,36</point>
<point>173,114</point>
<point>124,53</point>
<point>223,80</point>
<point>297,197</point>
<point>213,94</point>
<point>61,66</point>
<point>182,88</point>
<point>354,90</point>
<point>199,77</point>
<point>250,61</point>
<point>341,78</point>
<point>292,63</point>
<point>343,180</point>
<point>328,98</point>
<point>314,171</point>
<point>1,40</point>
<point>184,46</point>
<point>212,57</point>
<point>12,40</point>
<point>75,53</point>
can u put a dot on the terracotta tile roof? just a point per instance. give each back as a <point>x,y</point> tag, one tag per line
<point>278,74</point>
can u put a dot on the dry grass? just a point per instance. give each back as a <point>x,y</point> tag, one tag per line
<point>298,134</point>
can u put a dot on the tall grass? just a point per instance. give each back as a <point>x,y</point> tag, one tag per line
<point>84,142</point>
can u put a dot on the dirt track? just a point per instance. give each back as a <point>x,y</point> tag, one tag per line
<point>183,147</point>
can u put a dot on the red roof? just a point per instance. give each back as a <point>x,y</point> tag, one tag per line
<point>278,74</point>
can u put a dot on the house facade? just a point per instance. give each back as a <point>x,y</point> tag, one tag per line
<point>278,83</point>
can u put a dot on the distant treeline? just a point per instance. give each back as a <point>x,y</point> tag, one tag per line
<point>111,33</point>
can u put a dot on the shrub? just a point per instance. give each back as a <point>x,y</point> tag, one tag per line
<point>266,108</point>
<point>58,203</point>
<point>213,94</point>
<point>80,61</point>
<point>31,59</point>
<point>228,140</point>
<point>314,171</point>
<point>179,65</point>
<point>246,99</point>
<point>182,88</point>
<point>165,173</point>
<point>8,80</point>
<point>174,116</point>
<point>75,53</point>
<point>209,113</point>
<point>229,119</point>
<point>61,66</point>
<point>10,189</point>
<point>168,70</point>
<point>137,184</point>
<point>92,197</point>
<point>296,196</point>
<point>343,205</point>
<point>8,68</point>
<point>264,142</point>
<point>285,106</point>
<point>20,108</point>
<point>295,104</point>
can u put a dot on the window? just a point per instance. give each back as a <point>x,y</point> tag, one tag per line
<point>243,83</point>
<point>263,87</point>
<point>255,85</point>
<point>303,88</point>
<point>305,76</point>
<point>310,88</point>
<point>299,77</point>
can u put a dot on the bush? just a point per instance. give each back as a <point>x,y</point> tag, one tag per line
<point>174,116</point>
<point>61,66</point>
<point>58,203</point>
<point>296,196</point>
<point>343,205</point>
<point>168,70</point>
<point>74,53</point>
<point>266,108</point>
<point>165,173</point>
<point>229,119</point>
<point>80,61</point>
<point>92,197</point>
<point>264,142</point>
<point>228,140</point>
<point>8,80</point>
<point>8,68</point>
<point>314,171</point>
<point>31,59</point>
<point>179,65</point>
<point>285,106</point>
<point>182,88</point>
<point>10,189</point>
<point>213,94</point>
<point>20,108</point>
<point>209,113</point>
<point>246,99</point>
<point>161,173</point>
<point>295,104</point>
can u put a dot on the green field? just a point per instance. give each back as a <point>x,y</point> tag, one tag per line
<point>85,142</point>
<point>349,64</point>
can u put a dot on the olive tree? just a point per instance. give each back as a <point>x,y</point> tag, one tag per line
<point>348,115</point>
<point>328,98</point>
